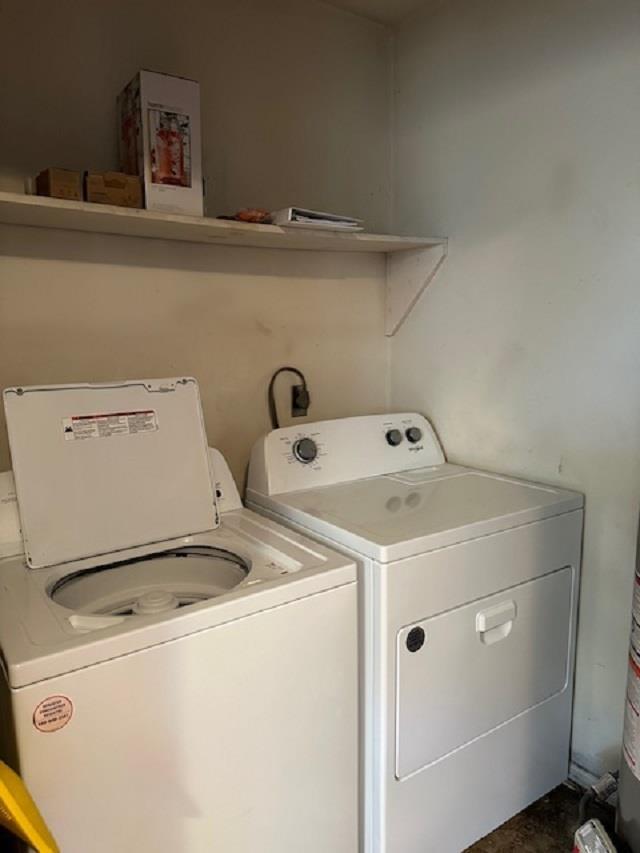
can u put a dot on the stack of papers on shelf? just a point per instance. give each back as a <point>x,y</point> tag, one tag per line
<point>300,217</point>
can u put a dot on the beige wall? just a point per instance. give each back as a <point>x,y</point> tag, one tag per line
<point>85,307</point>
<point>295,95</point>
<point>518,128</point>
<point>295,105</point>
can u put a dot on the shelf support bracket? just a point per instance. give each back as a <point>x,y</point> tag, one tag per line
<point>409,273</point>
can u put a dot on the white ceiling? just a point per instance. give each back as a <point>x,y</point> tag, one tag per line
<point>385,11</point>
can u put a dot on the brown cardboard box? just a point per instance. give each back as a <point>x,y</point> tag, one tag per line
<point>113,188</point>
<point>60,183</point>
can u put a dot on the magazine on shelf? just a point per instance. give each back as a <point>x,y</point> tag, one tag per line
<point>300,217</point>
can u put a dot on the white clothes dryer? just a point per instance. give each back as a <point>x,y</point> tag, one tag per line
<point>469,590</point>
<point>179,673</point>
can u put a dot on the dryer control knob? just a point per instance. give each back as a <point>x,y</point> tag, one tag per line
<point>414,434</point>
<point>305,450</point>
<point>394,437</point>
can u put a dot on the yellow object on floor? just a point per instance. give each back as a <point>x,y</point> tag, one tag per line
<point>19,814</point>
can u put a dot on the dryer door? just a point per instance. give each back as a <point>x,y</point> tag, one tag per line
<point>464,672</point>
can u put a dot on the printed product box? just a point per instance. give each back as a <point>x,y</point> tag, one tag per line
<point>160,140</point>
<point>113,188</point>
<point>60,183</point>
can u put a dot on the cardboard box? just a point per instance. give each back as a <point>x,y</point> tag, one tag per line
<point>160,140</point>
<point>60,183</point>
<point>113,188</point>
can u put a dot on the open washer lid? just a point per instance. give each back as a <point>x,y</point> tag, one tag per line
<point>100,468</point>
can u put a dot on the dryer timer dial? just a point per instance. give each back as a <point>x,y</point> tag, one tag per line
<point>305,450</point>
<point>394,437</point>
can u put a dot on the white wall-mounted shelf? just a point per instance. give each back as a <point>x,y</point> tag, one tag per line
<point>412,262</point>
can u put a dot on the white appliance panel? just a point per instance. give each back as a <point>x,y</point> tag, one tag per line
<point>495,777</point>
<point>238,738</point>
<point>447,578</point>
<point>347,449</point>
<point>480,666</point>
<point>226,495</point>
<point>101,468</point>
<point>488,566</point>
<point>386,513</point>
<point>396,594</point>
<point>41,639</point>
<point>509,766</point>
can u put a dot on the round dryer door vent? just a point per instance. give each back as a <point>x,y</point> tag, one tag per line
<point>154,584</point>
<point>415,639</point>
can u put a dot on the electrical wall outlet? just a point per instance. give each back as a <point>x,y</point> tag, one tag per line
<point>299,401</point>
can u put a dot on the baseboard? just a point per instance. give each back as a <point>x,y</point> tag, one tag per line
<point>581,776</point>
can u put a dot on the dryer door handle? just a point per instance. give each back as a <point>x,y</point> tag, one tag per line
<point>495,623</point>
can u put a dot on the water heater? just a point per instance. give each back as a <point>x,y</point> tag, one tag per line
<point>629,790</point>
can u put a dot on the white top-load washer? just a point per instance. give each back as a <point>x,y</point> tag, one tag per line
<point>469,596</point>
<point>179,673</point>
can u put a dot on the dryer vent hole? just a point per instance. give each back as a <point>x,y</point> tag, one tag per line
<point>415,639</point>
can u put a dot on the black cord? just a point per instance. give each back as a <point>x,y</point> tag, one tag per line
<point>585,801</point>
<point>600,792</point>
<point>271,401</point>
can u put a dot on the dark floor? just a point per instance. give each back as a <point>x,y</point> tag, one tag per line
<point>548,826</point>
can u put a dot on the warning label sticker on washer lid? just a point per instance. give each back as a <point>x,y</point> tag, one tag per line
<point>107,424</point>
<point>53,713</point>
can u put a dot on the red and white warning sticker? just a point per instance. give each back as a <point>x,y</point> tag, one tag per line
<point>631,734</point>
<point>108,424</point>
<point>53,713</point>
<point>635,621</point>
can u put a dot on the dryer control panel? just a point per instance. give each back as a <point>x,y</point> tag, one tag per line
<point>340,451</point>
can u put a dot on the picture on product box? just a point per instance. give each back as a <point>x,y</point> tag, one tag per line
<point>170,143</point>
